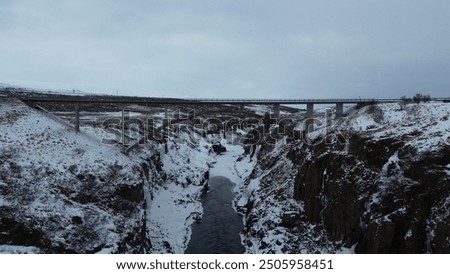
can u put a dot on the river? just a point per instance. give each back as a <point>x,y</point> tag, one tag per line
<point>218,233</point>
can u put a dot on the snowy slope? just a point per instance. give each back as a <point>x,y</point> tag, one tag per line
<point>429,122</point>
<point>174,203</point>
<point>67,190</point>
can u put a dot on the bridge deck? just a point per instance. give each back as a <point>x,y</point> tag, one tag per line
<point>102,100</point>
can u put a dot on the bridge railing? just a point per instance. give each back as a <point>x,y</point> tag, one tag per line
<point>206,100</point>
<point>288,101</point>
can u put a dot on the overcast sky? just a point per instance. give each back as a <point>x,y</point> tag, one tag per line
<point>229,48</point>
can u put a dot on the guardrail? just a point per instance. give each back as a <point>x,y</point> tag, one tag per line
<point>204,101</point>
<point>289,101</point>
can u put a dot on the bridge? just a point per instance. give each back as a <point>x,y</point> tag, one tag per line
<point>77,100</point>
<point>202,101</point>
<point>34,101</point>
<point>97,99</point>
<point>194,101</point>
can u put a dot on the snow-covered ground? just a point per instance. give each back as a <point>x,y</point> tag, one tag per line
<point>233,164</point>
<point>174,204</point>
<point>42,140</point>
<point>42,87</point>
<point>259,109</point>
<point>385,120</point>
<point>51,177</point>
<point>15,249</point>
<point>429,121</point>
<point>263,109</point>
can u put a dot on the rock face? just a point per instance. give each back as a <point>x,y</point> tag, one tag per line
<point>66,214</point>
<point>384,190</point>
<point>383,203</point>
<point>218,148</point>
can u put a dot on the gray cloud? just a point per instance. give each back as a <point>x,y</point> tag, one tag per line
<point>218,48</point>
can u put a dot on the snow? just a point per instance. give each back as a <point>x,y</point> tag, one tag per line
<point>3,202</point>
<point>429,122</point>
<point>44,89</point>
<point>237,167</point>
<point>363,123</point>
<point>225,163</point>
<point>345,250</point>
<point>98,133</point>
<point>170,214</point>
<point>252,186</point>
<point>174,204</point>
<point>393,160</point>
<point>46,139</point>
<point>15,249</point>
<point>259,109</point>
<point>408,234</point>
<point>439,213</point>
<point>232,164</point>
<point>47,156</point>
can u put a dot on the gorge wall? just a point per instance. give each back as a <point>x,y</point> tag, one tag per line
<point>377,183</point>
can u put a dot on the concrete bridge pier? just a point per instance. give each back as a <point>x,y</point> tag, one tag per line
<point>77,117</point>
<point>125,118</point>
<point>276,111</point>
<point>328,120</point>
<point>339,110</point>
<point>309,125</point>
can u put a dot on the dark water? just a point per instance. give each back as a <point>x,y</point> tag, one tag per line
<point>218,233</point>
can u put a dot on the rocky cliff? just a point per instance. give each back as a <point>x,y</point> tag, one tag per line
<point>377,182</point>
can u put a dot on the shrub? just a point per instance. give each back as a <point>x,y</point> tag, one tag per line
<point>421,98</point>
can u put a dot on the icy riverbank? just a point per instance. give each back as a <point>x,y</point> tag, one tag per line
<point>174,205</point>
